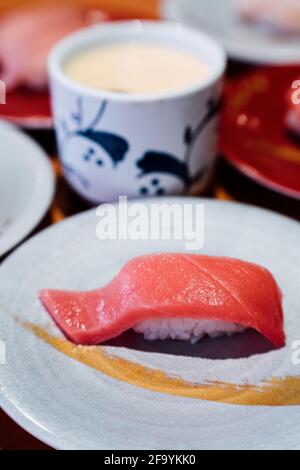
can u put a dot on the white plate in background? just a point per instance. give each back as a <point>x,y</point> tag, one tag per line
<point>27,186</point>
<point>242,41</point>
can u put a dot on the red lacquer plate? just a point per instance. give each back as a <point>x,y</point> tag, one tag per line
<point>254,137</point>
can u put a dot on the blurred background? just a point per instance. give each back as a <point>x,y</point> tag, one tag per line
<point>259,152</point>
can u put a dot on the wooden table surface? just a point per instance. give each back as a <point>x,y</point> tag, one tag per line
<point>228,184</point>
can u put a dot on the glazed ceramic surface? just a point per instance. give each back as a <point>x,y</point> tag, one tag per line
<point>264,150</point>
<point>26,186</point>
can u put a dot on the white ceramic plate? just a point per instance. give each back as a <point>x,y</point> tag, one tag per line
<point>242,42</point>
<point>26,186</point>
<point>70,405</point>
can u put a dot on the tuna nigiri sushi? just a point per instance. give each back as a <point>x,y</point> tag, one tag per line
<point>178,296</point>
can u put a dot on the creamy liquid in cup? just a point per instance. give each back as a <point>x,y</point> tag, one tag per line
<point>136,68</point>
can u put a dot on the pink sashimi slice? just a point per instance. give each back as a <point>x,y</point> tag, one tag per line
<point>282,15</point>
<point>161,286</point>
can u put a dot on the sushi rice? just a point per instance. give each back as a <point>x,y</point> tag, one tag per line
<point>185,329</point>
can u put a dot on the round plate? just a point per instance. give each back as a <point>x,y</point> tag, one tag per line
<point>122,396</point>
<point>37,115</point>
<point>26,186</point>
<point>253,133</point>
<point>242,41</point>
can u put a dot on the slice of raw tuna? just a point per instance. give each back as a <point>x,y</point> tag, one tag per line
<point>172,286</point>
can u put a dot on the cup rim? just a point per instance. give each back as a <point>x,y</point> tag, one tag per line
<point>72,42</point>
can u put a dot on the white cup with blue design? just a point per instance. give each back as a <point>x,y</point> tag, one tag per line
<point>136,107</point>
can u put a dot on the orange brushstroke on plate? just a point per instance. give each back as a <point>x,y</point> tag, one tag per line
<point>274,392</point>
